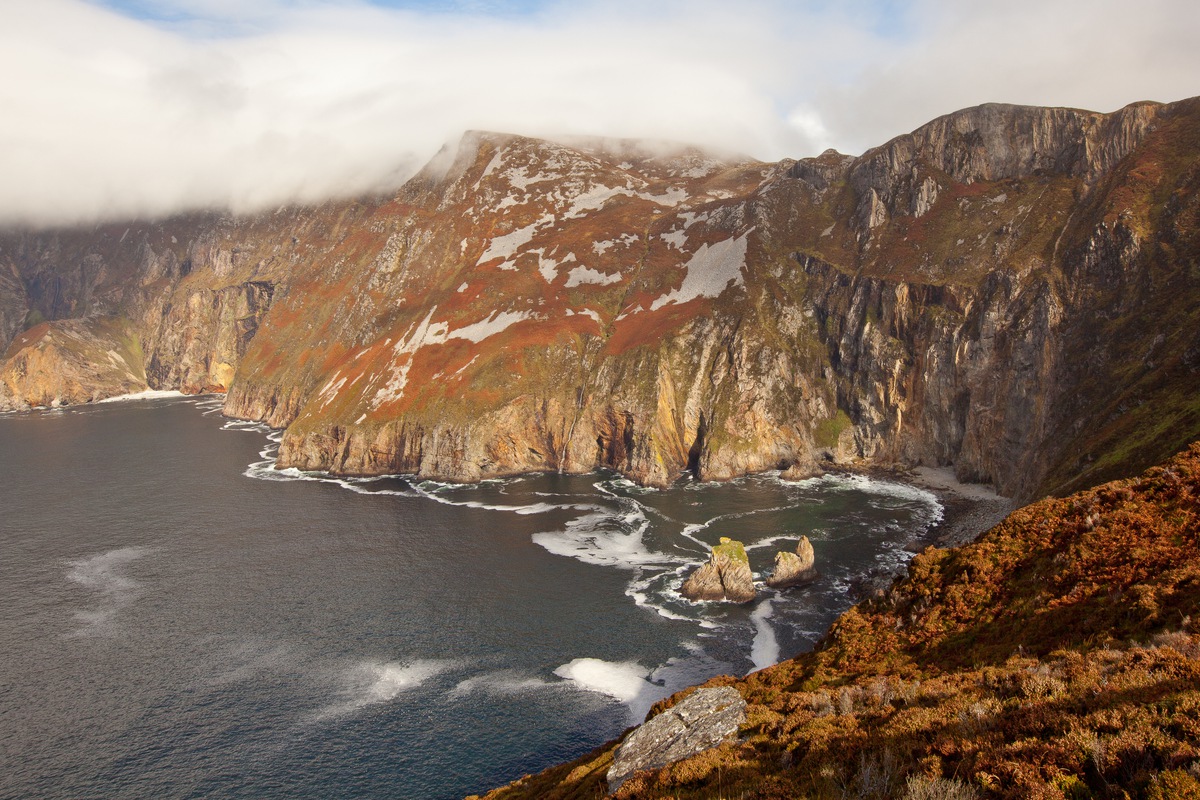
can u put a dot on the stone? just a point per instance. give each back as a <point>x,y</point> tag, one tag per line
<point>725,576</point>
<point>795,568</point>
<point>703,720</point>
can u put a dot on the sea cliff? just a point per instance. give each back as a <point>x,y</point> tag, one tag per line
<point>1010,291</point>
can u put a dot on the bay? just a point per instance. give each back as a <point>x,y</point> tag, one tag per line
<point>182,620</point>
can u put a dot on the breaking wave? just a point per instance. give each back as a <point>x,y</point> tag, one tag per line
<point>656,536</point>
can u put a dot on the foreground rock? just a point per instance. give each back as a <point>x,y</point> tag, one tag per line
<point>726,576</point>
<point>981,672</point>
<point>792,569</point>
<point>705,719</point>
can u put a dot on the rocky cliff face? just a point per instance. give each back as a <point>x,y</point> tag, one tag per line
<point>1010,290</point>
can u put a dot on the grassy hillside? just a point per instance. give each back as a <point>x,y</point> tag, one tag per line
<point>1056,657</point>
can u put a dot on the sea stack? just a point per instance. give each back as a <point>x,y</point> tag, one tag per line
<point>795,568</point>
<point>726,575</point>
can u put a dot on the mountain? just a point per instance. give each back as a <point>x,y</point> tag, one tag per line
<point>1056,657</point>
<point>1011,290</point>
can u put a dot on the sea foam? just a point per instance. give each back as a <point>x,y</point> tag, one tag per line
<point>104,575</point>
<point>373,682</point>
<point>149,394</point>
<point>624,681</point>
<point>764,650</point>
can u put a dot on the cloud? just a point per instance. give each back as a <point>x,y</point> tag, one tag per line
<point>171,105</point>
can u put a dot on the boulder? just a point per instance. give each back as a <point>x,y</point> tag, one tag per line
<point>725,576</point>
<point>704,719</point>
<point>794,568</point>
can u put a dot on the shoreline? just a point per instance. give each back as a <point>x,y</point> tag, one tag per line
<point>968,509</point>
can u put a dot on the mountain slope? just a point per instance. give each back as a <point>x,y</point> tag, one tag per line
<point>1010,290</point>
<point>1056,657</point>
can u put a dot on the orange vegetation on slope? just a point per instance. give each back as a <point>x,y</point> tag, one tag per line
<point>1056,657</point>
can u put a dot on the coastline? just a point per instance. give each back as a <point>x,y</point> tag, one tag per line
<point>968,509</point>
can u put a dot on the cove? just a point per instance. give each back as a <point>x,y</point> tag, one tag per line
<point>182,620</point>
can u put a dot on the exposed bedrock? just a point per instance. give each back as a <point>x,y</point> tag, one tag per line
<point>1008,290</point>
<point>794,568</point>
<point>725,576</point>
<point>704,719</point>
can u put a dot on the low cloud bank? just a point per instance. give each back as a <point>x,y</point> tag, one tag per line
<point>208,105</point>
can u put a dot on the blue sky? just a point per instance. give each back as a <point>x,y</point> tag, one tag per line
<point>182,10</point>
<point>117,107</point>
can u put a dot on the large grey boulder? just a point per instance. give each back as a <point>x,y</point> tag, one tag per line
<point>704,719</point>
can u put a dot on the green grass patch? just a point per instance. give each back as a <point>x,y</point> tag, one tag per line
<point>828,431</point>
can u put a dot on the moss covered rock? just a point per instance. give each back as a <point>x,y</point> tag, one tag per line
<point>725,576</point>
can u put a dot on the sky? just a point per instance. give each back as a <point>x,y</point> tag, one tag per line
<point>113,109</point>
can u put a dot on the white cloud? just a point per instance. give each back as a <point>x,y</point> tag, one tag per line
<point>246,106</point>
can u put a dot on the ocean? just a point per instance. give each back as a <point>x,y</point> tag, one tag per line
<point>183,620</point>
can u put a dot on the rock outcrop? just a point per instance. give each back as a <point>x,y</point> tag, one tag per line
<point>704,719</point>
<point>970,294</point>
<point>725,576</point>
<point>794,568</point>
<point>77,361</point>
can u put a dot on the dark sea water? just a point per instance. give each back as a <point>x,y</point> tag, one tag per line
<point>179,620</point>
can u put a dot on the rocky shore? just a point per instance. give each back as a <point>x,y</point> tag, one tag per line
<point>968,509</point>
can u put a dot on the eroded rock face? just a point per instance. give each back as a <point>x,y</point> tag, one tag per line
<point>725,576</point>
<point>527,305</point>
<point>72,362</point>
<point>704,719</point>
<point>792,569</point>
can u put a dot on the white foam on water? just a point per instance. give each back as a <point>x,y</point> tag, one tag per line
<point>627,682</point>
<point>372,682</point>
<point>104,574</point>
<point>606,539</point>
<point>764,651</point>
<point>690,531</point>
<point>266,470</point>
<point>148,394</point>
<point>774,541</point>
<point>863,483</point>
<point>531,508</point>
<point>639,590</point>
<point>636,687</point>
<point>503,683</point>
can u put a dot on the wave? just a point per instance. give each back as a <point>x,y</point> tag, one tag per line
<point>149,394</point>
<point>530,508</point>
<point>839,481</point>
<point>606,539</point>
<point>764,649</point>
<point>635,686</point>
<point>620,527</point>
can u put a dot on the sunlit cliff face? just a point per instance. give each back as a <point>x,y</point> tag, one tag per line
<point>973,293</point>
